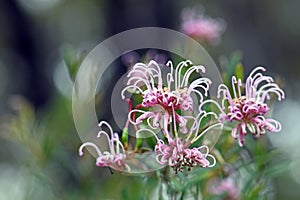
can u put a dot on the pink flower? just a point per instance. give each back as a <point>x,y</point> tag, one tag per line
<point>177,155</point>
<point>132,57</point>
<point>201,27</point>
<point>226,185</point>
<point>162,101</point>
<point>176,152</point>
<point>249,109</point>
<point>115,156</point>
<point>164,104</point>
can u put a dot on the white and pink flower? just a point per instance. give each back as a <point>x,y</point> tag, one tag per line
<point>178,155</point>
<point>115,156</point>
<point>176,150</point>
<point>161,101</point>
<point>249,108</point>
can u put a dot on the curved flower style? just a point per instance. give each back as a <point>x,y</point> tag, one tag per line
<point>115,156</point>
<point>250,108</point>
<point>202,27</point>
<point>165,100</point>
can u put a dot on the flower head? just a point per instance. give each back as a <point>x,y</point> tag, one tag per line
<point>248,109</point>
<point>163,100</point>
<point>178,155</point>
<point>176,150</point>
<point>115,156</point>
<point>202,27</point>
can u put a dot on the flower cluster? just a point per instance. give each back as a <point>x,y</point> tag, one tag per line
<point>201,27</point>
<point>162,107</point>
<point>227,186</point>
<point>115,156</point>
<point>249,108</point>
<point>172,108</point>
<point>147,79</point>
<point>177,155</point>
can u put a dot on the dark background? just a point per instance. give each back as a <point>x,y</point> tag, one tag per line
<point>32,34</point>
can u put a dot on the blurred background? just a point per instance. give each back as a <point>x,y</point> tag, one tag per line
<point>38,141</point>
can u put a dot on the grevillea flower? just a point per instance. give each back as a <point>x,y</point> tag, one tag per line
<point>176,151</point>
<point>249,108</point>
<point>201,27</point>
<point>115,156</point>
<point>177,155</point>
<point>163,101</point>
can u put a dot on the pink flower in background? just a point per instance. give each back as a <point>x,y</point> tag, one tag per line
<point>153,54</point>
<point>248,109</point>
<point>115,156</point>
<point>226,185</point>
<point>132,57</point>
<point>201,27</point>
<point>163,101</point>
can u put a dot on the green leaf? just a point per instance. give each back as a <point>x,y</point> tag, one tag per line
<point>151,141</point>
<point>239,71</point>
<point>124,194</point>
<point>125,136</point>
<point>256,190</point>
<point>199,177</point>
<point>72,60</point>
<point>138,143</point>
<point>176,184</point>
<point>278,168</point>
<point>234,60</point>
